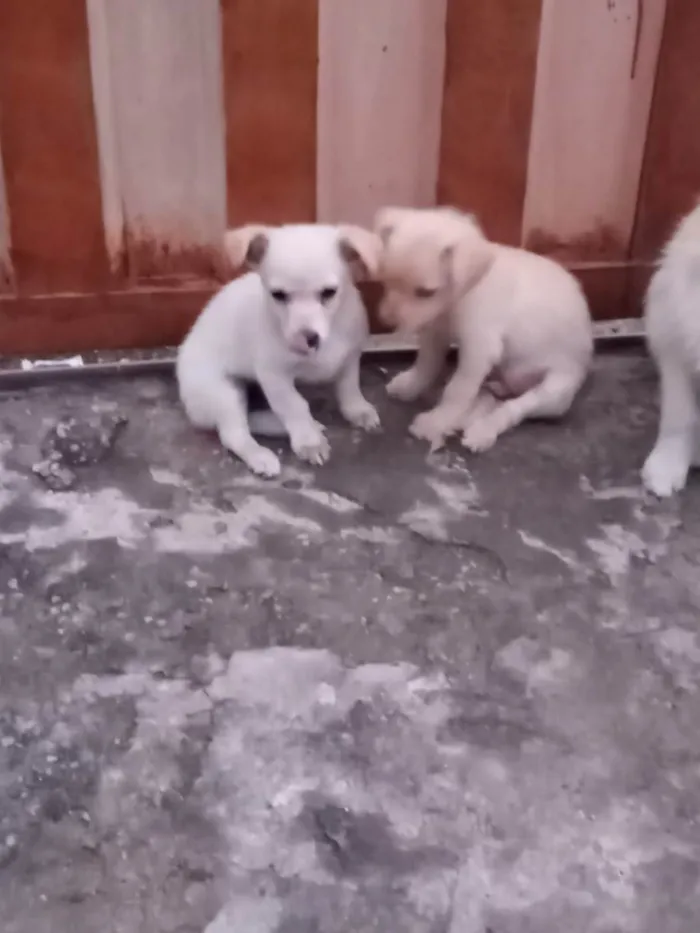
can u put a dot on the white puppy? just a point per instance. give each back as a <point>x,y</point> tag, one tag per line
<point>298,316</point>
<point>672,319</point>
<point>520,320</point>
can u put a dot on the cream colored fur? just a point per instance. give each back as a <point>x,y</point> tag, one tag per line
<point>520,320</point>
<point>672,319</point>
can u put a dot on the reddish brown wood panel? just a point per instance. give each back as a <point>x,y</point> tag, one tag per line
<point>47,127</point>
<point>157,80</point>
<point>112,320</point>
<point>270,54</point>
<point>141,318</point>
<point>606,287</point>
<point>671,175</point>
<point>487,110</point>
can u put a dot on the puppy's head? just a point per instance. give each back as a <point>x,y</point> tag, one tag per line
<point>430,258</point>
<point>307,270</point>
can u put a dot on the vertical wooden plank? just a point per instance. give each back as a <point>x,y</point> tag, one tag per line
<point>595,76</point>
<point>381,74</point>
<point>47,126</point>
<point>6,271</point>
<point>107,143</point>
<point>671,176</point>
<point>269,66</point>
<point>157,80</point>
<point>487,108</point>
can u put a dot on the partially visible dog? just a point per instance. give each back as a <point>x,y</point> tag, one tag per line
<point>297,317</point>
<point>520,320</point>
<point>672,319</point>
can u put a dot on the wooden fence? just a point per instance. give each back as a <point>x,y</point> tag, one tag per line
<point>133,131</point>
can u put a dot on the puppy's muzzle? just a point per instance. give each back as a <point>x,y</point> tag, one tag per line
<point>313,341</point>
<point>306,341</point>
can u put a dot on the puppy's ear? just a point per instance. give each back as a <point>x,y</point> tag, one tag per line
<point>247,245</point>
<point>361,250</point>
<point>386,220</point>
<point>467,261</point>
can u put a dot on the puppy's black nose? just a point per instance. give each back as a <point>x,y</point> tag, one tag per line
<point>312,339</point>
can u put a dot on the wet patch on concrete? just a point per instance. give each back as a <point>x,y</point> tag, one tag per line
<point>425,694</point>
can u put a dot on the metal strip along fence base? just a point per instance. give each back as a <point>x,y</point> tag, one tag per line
<point>610,337</point>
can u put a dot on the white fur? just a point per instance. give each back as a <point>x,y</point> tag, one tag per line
<point>672,319</point>
<point>245,334</point>
<point>511,312</point>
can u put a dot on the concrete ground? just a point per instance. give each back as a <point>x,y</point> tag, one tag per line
<point>396,694</point>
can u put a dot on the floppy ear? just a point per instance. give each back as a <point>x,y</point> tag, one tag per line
<point>385,221</point>
<point>468,260</point>
<point>361,250</point>
<point>247,245</point>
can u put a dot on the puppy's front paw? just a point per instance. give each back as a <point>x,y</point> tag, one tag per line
<point>406,387</point>
<point>479,436</point>
<point>363,415</point>
<point>309,443</point>
<point>264,462</point>
<point>664,472</point>
<point>430,426</point>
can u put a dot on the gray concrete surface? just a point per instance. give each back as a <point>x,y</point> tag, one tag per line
<point>453,695</point>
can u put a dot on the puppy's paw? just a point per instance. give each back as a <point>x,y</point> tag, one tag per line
<point>363,415</point>
<point>264,462</point>
<point>664,472</point>
<point>430,426</point>
<point>406,387</point>
<point>479,436</point>
<point>310,443</point>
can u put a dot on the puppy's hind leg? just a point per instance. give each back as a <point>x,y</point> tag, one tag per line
<point>550,398</point>
<point>234,432</point>
<point>666,468</point>
<point>484,405</point>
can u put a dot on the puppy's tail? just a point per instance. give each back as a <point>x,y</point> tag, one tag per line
<point>266,424</point>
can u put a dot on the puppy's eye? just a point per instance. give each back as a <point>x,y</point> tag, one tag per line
<point>280,295</point>
<point>421,292</point>
<point>328,294</point>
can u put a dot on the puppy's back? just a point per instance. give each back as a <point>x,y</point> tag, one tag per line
<point>219,345</point>
<point>217,334</point>
<point>544,303</point>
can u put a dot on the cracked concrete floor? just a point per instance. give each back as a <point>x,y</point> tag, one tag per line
<point>453,695</point>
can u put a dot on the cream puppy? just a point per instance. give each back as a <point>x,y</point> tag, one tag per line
<point>520,320</point>
<point>298,317</point>
<point>672,320</point>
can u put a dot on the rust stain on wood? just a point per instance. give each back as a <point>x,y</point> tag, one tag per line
<point>671,175</point>
<point>147,258</point>
<point>487,110</point>
<point>602,243</point>
<point>270,53</point>
<point>47,126</point>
